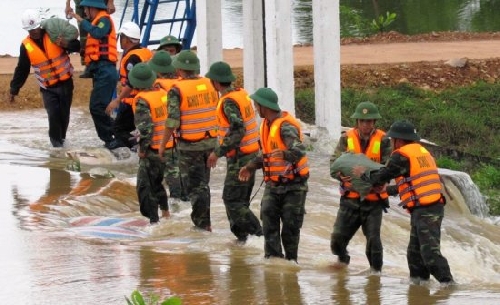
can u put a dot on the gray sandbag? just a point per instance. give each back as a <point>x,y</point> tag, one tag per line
<point>56,27</point>
<point>344,164</point>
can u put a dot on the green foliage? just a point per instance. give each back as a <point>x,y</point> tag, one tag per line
<point>445,162</point>
<point>462,119</point>
<point>352,24</point>
<point>381,23</point>
<point>136,298</point>
<point>487,178</point>
<point>304,105</point>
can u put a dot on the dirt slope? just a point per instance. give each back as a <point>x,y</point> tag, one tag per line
<point>379,60</point>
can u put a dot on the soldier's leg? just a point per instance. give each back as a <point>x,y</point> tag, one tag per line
<point>194,164</point>
<point>372,221</point>
<point>123,124</point>
<point>346,224</point>
<point>147,202</point>
<point>104,84</point>
<point>236,196</point>
<point>429,234</point>
<point>416,265</point>
<point>51,103</point>
<point>293,218</point>
<point>172,173</point>
<point>270,214</point>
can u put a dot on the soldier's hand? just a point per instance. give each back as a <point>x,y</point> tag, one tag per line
<point>212,160</point>
<point>358,171</point>
<point>161,151</point>
<point>277,154</point>
<point>141,154</point>
<point>112,106</point>
<point>379,188</point>
<point>244,174</point>
<point>343,178</point>
<point>12,98</point>
<point>111,7</point>
<point>68,10</point>
<point>60,41</point>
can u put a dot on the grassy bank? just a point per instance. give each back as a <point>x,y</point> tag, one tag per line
<point>464,122</point>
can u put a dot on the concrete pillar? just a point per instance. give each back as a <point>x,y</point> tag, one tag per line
<point>208,33</point>
<point>279,50</point>
<point>253,45</point>
<point>326,36</point>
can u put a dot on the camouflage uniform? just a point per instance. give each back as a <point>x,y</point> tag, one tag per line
<point>355,213</point>
<point>150,190</point>
<point>236,194</point>
<point>172,172</point>
<point>423,253</point>
<point>285,202</point>
<point>192,164</point>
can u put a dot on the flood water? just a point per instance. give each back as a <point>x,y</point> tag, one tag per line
<point>48,259</point>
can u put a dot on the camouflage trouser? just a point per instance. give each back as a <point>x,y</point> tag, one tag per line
<point>173,175</point>
<point>368,216</point>
<point>236,196</point>
<point>150,190</point>
<point>424,254</point>
<point>196,174</point>
<point>289,208</point>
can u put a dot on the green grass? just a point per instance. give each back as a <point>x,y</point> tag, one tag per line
<point>463,121</point>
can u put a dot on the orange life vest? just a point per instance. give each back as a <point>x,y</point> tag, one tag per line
<point>422,186</point>
<point>250,142</point>
<point>52,65</point>
<point>157,102</point>
<point>145,55</point>
<point>277,169</point>
<point>198,104</point>
<point>372,152</point>
<point>104,48</point>
<point>165,83</point>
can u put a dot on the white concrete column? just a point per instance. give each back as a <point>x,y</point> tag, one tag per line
<point>208,33</point>
<point>279,50</point>
<point>253,45</point>
<point>326,35</point>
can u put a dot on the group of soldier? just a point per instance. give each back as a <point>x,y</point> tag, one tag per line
<point>184,122</point>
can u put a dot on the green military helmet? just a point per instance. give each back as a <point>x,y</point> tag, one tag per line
<point>266,97</point>
<point>170,41</point>
<point>94,3</point>
<point>404,130</point>
<point>186,60</point>
<point>141,76</point>
<point>366,111</point>
<point>221,72</point>
<point>161,62</point>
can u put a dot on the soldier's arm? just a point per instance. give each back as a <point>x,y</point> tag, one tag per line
<point>98,31</point>
<point>173,108</point>
<point>233,137</point>
<point>295,148</point>
<point>385,150</point>
<point>143,123</point>
<point>397,165</point>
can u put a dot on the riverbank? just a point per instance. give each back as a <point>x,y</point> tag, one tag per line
<point>381,60</point>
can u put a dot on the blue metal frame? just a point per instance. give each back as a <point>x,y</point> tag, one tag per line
<point>146,19</point>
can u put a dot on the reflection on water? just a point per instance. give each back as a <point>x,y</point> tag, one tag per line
<point>48,260</point>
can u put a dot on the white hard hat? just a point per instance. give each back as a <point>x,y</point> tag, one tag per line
<point>31,19</point>
<point>131,30</point>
